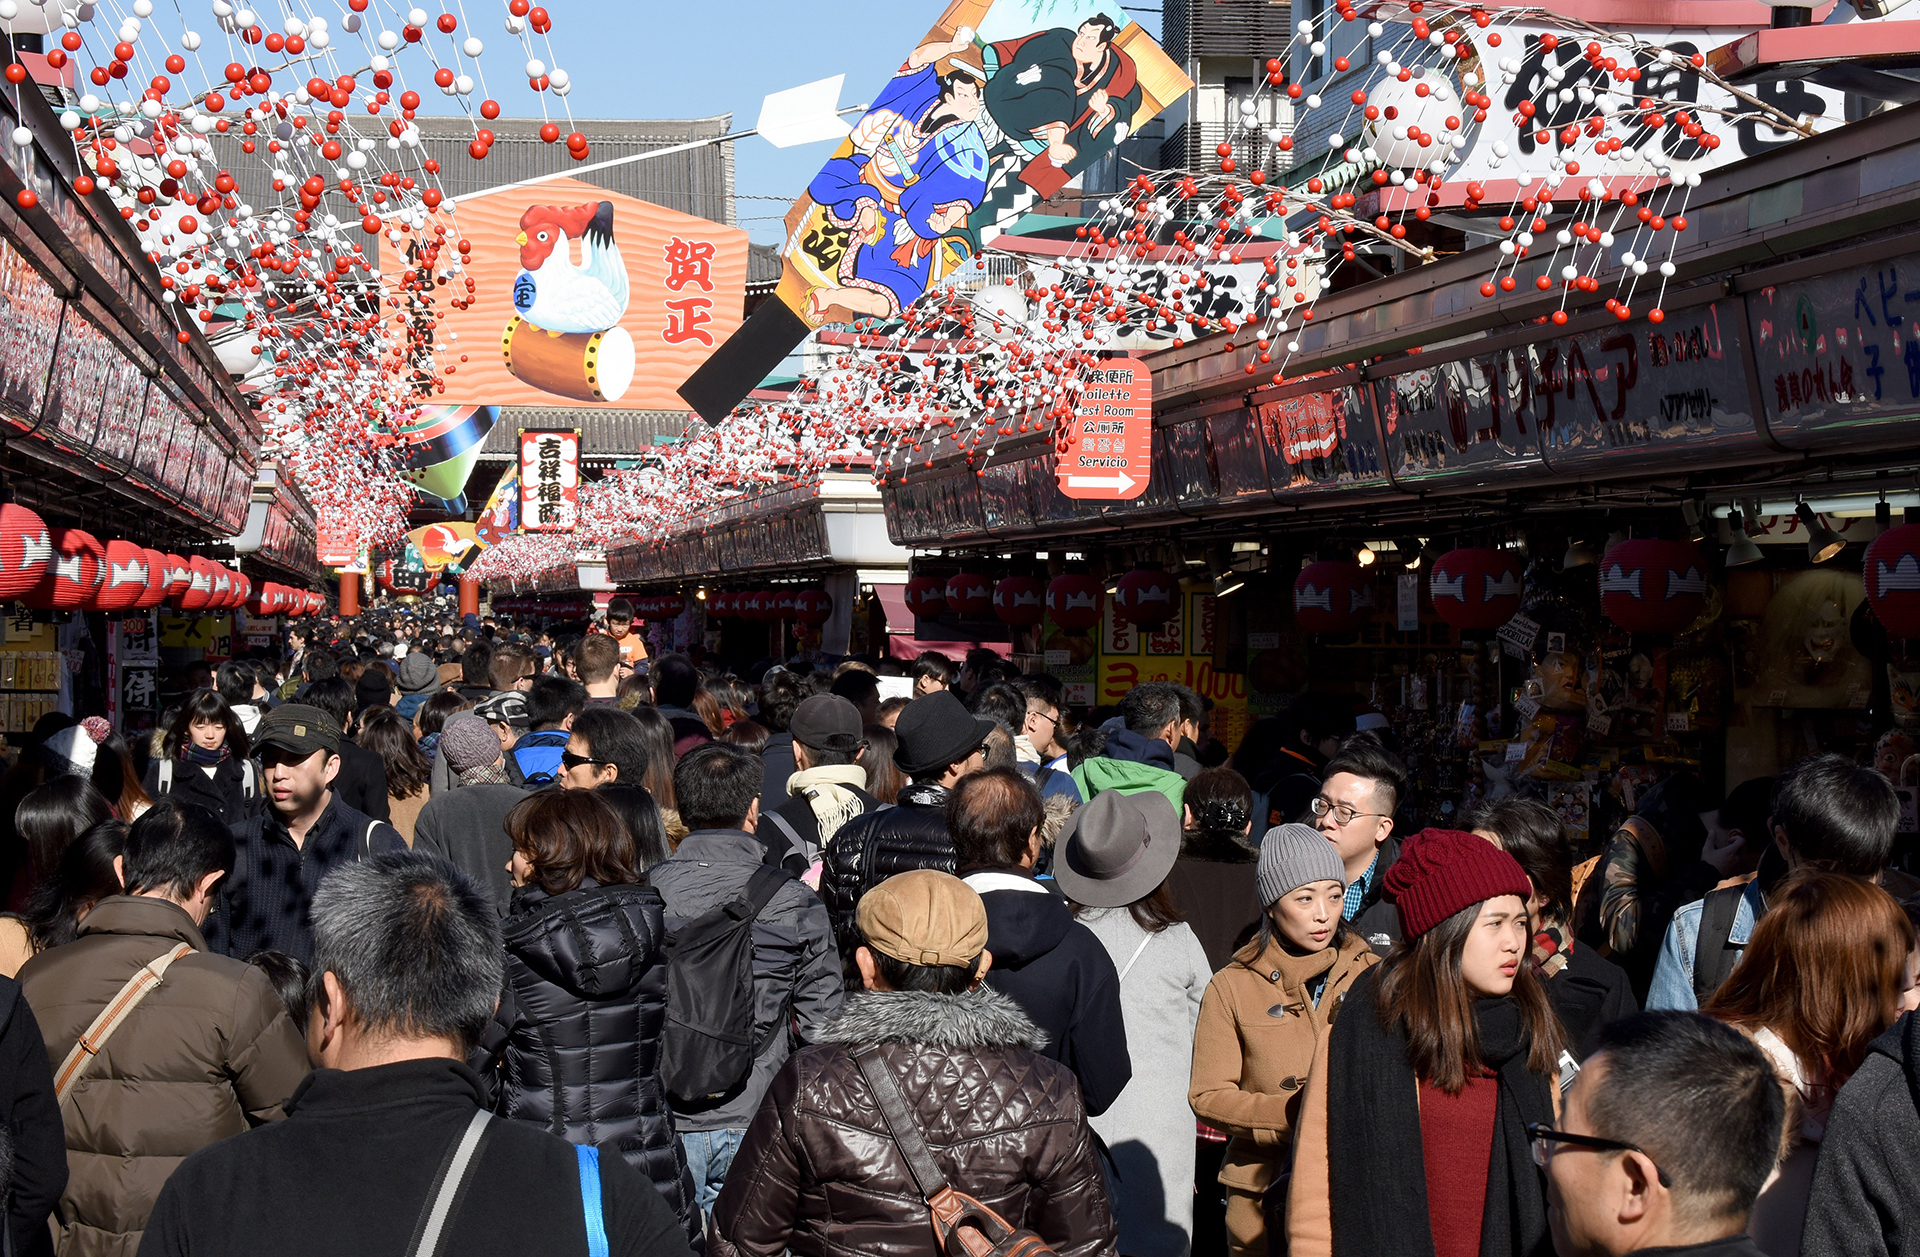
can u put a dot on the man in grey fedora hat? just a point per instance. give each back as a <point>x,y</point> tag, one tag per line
<point>940,743</point>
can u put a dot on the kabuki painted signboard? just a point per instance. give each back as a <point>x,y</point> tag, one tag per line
<point>589,296</point>
<point>1002,105</point>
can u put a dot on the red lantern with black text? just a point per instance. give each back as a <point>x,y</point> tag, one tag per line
<point>1893,579</point>
<point>1331,596</point>
<point>1476,587</point>
<point>26,549</point>
<point>813,607</point>
<point>75,572</point>
<point>1073,601</point>
<point>1019,601</point>
<point>1146,597</point>
<point>1653,586</point>
<point>125,580</point>
<point>926,597</point>
<point>969,593</point>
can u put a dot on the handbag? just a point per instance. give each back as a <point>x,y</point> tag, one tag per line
<point>962,1225</point>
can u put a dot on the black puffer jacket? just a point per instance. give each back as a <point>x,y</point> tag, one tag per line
<point>871,848</point>
<point>576,1040</point>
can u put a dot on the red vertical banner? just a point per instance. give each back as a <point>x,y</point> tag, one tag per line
<point>549,480</point>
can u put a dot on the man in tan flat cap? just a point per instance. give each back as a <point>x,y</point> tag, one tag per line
<point>1004,1123</point>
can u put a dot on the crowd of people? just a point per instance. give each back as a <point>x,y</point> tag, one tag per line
<point>430,937</point>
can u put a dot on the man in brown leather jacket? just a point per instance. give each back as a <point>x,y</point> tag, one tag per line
<point>819,1175</point>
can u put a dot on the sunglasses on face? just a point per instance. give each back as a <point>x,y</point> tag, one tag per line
<point>569,760</point>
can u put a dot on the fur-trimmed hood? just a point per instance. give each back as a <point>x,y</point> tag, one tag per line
<point>980,1018</point>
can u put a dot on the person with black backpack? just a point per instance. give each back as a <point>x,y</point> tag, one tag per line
<point>204,760</point>
<point>925,1112</point>
<point>751,966</point>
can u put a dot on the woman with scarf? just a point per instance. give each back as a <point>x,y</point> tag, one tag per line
<point>204,760</point>
<point>1441,1058</point>
<point>1587,990</point>
<point>1263,1016</point>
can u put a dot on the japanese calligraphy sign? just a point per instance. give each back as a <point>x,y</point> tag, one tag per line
<point>1839,350</point>
<point>1106,453</point>
<point>584,294</point>
<point>549,481</point>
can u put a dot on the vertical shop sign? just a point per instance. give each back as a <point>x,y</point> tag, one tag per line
<point>549,480</point>
<point>1106,454</point>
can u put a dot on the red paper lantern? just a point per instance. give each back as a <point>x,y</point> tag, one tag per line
<point>75,572</point>
<point>784,604</point>
<point>720,605</point>
<point>26,549</point>
<point>668,606</point>
<point>1073,601</point>
<point>179,576</point>
<point>969,593</point>
<point>1652,586</point>
<point>1331,596</point>
<point>156,591</point>
<point>813,606</point>
<point>243,590</point>
<point>1477,587</point>
<point>1146,597</point>
<point>221,596</point>
<point>1893,579</point>
<point>926,597</point>
<point>126,577</point>
<point>763,605</point>
<point>198,593</point>
<point>1019,601</point>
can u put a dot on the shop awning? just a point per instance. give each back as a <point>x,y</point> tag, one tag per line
<point>901,642</point>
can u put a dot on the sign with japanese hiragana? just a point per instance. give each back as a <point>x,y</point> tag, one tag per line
<point>549,480</point>
<point>571,291</point>
<point>1106,452</point>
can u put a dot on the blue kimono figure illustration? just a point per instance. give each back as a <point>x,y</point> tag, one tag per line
<point>909,173</point>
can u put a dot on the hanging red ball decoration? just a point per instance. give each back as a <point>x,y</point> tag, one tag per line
<point>1146,596</point>
<point>969,593</point>
<point>926,597</point>
<point>25,550</point>
<point>74,573</point>
<point>1476,587</point>
<point>125,580</point>
<point>1331,596</point>
<point>1653,586</point>
<point>1019,601</point>
<point>1073,601</point>
<point>1893,579</point>
<point>813,606</point>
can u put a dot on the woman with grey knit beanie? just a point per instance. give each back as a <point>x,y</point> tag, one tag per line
<point>1262,1018</point>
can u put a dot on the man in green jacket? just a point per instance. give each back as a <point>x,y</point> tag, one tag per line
<point>1139,749</point>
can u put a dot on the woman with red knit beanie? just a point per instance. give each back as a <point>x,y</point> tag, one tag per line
<point>1412,1138</point>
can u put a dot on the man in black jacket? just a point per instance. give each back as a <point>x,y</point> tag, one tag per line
<point>1865,1173</point>
<point>305,831</point>
<point>362,781</point>
<point>940,743</point>
<point>828,786</point>
<point>407,968</point>
<point>36,1162</point>
<point>1047,962</point>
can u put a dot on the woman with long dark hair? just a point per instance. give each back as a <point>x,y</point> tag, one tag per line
<point>885,781</point>
<point>115,778</point>
<point>204,760</point>
<point>81,876</point>
<point>1249,1062</point>
<point>1441,1058</point>
<point>1822,978</point>
<point>660,759</point>
<point>1587,990</point>
<point>641,815</point>
<point>387,734</point>
<point>576,1039</point>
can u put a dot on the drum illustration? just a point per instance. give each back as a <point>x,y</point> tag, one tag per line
<point>588,367</point>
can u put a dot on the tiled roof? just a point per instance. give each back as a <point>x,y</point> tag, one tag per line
<point>603,433</point>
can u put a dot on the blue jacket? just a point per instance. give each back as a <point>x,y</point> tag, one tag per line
<point>1673,976</point>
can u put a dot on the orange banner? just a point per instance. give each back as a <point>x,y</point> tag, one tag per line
<point>588,297</point>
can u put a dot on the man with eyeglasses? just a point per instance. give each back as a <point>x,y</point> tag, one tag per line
<point>1664,1141</point>
<point>1354,809</point>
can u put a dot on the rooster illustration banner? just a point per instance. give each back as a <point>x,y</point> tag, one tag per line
<point>587,297</point>
<point>1003,105</point>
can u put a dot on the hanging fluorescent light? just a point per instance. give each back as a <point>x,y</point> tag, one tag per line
<point>1822,542</point>
<point>1741,551</point>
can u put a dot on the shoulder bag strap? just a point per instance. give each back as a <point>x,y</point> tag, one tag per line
<point>765,883</point>
<point>589,1159</point>
<point>1135,956</point>
<point>785,826</point>
<point>1713,960</point>
<point>88,1046</point>
<point>371,826</point>
<point>448,1186</point>
<point>900,1122</point>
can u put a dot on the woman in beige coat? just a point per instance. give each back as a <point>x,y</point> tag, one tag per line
<point>1263,1016</point>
